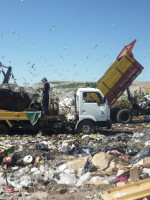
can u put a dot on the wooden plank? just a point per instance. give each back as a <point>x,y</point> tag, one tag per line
<point>7,115</point>
<point>132,191</point>
<point>10,116</point>
<point>9,124</point>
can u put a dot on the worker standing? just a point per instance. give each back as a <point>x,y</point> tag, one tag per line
<point>45,96</point>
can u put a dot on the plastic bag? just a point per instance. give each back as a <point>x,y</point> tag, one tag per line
<point>87,167</point>
<point>145,152</point>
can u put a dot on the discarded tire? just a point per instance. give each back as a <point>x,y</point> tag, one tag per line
<point>86,127</point>
<point>124,116</point>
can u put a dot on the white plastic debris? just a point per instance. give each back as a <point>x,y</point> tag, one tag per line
<point>146,170</point>
<point>147,143</point>
<point>63,148</point>
<point>48,175</point>
<point>28,159</point>
<point>95,178</point>
<point>42,168</point>
<point>83,178</point>
<point>2,179</point>
<point>68,179</point>
<point>25,181</point>
<point>85,137</point>
<point>120,195</point>
<point>34,169</point>
<point>61,167</point>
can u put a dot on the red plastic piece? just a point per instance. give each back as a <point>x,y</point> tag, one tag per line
<point>9,190</point>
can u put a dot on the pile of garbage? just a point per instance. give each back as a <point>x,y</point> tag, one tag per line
<point>67,108</point>
<point>73,163</point>
<point>14,98</point>
<point>14,101</point>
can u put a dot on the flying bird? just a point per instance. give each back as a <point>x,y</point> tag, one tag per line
<point>33,66</point>
<point>60,56</point>
<point>74,65</point>
<point>66,48</point>
<point>95,46</point>
<point>146,55</point>
<point>52,28</point>
<point>106,55</point>
<point>14,32</point>
<point>28,62</point>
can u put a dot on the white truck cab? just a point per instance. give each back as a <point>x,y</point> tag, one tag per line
<point>92,110</point>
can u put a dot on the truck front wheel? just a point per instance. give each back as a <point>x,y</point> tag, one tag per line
<point>86,127</point>
<point>124,116</point>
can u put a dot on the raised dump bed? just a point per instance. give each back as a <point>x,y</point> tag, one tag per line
<point>120,75</point>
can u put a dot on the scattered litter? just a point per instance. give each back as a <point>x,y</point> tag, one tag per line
<point>31,163</point>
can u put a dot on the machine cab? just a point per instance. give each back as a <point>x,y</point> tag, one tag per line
<point>91,104</point>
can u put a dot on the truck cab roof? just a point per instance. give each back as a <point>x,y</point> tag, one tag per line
<point>89,90</point>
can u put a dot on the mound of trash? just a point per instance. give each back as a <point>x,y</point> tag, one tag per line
<point>14,101</point>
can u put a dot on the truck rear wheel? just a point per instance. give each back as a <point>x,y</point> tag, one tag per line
<point>86,127</point>
<point>124,116</point>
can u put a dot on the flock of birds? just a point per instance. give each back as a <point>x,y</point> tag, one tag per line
<point>33,69</point>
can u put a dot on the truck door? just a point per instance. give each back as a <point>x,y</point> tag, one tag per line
<point>93,106</point>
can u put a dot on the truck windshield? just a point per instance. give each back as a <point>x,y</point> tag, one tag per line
<point>93,97</point>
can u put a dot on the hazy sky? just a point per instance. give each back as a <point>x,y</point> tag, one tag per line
<point>71,40</point>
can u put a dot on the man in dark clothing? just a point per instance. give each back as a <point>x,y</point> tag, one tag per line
<point>45,96</point>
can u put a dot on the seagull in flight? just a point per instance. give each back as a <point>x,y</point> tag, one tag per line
<point>14,32</point>
<point>52,28</point>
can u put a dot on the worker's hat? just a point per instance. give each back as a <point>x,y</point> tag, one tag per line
<point>44,79</point>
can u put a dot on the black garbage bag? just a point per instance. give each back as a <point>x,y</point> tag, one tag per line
<point>76,150</point>
<point>88,167</point>
<point>133,150</point>
<point>145,152</point>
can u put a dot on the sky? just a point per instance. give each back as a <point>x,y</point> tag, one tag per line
<point>71,40</point>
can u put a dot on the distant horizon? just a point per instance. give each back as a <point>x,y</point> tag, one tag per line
<point>74,82</point>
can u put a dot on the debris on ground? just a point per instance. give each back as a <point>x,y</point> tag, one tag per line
<point>76,166</point>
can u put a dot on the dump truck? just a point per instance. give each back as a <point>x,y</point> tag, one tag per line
<point>92,105</point>
<point>117,79</point>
